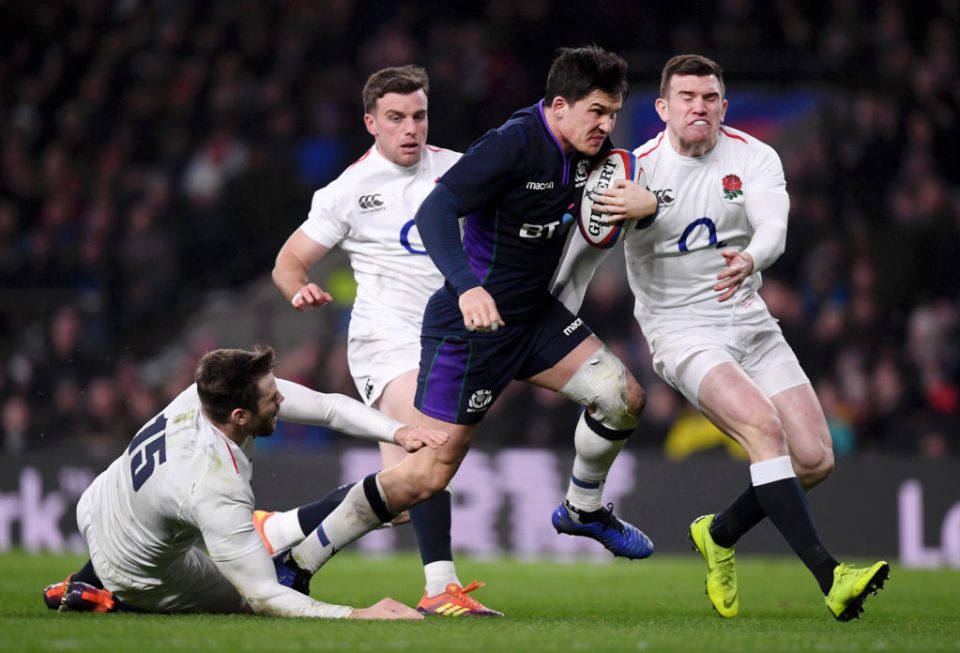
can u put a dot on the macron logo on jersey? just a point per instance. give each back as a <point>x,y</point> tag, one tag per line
<point>573,326</point>
<point>539,185</point>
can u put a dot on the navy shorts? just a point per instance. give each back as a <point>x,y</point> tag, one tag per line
<point>462,372</point>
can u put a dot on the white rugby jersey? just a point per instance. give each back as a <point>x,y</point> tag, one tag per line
<point>182,483</point>
<point>368,211</point>
<point>709,203</point>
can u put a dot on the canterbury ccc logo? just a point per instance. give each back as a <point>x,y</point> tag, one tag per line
<point>370,201</point>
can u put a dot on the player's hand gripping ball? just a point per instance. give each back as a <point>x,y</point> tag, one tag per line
<point>594,226</point>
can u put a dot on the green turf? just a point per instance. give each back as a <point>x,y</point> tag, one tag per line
<point>654,605</point>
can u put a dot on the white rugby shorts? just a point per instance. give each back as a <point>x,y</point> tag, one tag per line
<point>378,358</point>
<point>684,350</point>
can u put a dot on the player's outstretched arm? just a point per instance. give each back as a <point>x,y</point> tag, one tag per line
<point>386,608</point>
<point>296,257</point>
<point>336,411</point>
<point>255,578</point>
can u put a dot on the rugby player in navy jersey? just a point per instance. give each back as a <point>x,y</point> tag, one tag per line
<point>494,320</point>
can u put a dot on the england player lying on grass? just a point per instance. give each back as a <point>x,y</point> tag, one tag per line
<point>184,482</point>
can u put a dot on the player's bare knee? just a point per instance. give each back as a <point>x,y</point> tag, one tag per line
<point>636,398</point>
<point>811,473</point>
<point>434,482</point>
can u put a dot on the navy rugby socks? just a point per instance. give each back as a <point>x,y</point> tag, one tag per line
<point>783,500</point>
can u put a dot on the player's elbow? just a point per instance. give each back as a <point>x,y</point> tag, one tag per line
<point>276,273</point>
<point>281,265</point>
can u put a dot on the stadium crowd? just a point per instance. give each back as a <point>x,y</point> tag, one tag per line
<point>154,151</point>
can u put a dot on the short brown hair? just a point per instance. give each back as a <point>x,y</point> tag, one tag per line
<point>400,79</point>
<point>229,378</point>
<point>690,64</point>
<point>576,72</point>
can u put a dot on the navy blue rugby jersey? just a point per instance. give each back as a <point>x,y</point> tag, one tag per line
<point>522,193</point>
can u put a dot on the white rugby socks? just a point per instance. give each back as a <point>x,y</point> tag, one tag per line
<point>282,529</point>
<point>439,574</point>
<point>363,509</point>
<point>595,455</point>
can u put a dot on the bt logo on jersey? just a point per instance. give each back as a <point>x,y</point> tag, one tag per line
<point>539,230</point>
<point>548,230</point>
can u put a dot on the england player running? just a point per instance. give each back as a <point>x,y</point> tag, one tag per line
<point>695,273</point>
<point>368,212</point>
<point>184,482</point>
<point>494,319</point>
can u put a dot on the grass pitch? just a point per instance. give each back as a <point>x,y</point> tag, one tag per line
<point>653,605</point>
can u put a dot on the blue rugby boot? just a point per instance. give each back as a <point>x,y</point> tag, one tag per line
<point>290,574</point>
<point>619,537</point>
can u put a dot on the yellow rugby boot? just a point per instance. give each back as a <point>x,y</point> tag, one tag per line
<point>721,568</point>
<point>851,586</point>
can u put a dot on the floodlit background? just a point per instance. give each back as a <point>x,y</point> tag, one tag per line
<point>155,155</point>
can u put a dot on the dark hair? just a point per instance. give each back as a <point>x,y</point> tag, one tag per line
<point>228,379</point>
<point>578,71</point>
<point>689,64</point>
<point>401,79</point>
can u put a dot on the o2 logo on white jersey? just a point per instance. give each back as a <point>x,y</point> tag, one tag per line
<point>405,238</point>
<point>479,401</point>
<point>711,228</point>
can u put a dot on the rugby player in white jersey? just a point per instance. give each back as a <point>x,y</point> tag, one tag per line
<point>694,270</point>
<point>368,212</point>
<point>184,482</point>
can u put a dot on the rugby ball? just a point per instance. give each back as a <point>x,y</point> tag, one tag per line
<point>617,164</point>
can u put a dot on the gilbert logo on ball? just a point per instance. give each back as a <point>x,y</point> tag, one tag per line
<point>617,164</point>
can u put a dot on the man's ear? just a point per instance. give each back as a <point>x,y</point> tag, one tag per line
<point>559,106</point>
<point>240,416</point>
<point>371,124</point>
<point>661,106</point>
